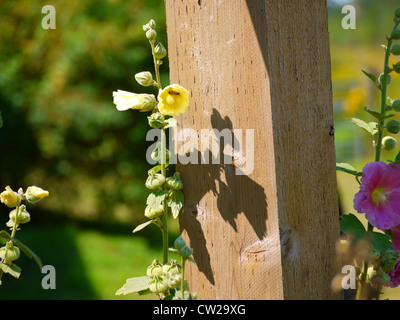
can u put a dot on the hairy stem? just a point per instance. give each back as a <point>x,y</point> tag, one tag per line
<point>165,214</point>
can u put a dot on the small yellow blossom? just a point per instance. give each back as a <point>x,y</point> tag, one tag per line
<point>125,100</point>
<point>173,100</point>
<point>10,198</point>
<point>34,194</point>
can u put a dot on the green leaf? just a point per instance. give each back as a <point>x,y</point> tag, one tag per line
<point>369,127</point>
<point>155,199</point>
<point>137,284</point>
<point>379,115</point>
<point>176,201</point>
<point>25,249</point>
<point>371,76</point>
<point>4,237</point>
<point>345,167</point>
<point>380,241</point>
<point>350,224</point>
<point>11,269</point>
<point>397,159</point>
<point>142,226</point>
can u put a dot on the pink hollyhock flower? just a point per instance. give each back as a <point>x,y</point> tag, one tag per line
<point>379,195</point>
<point>395,273</point>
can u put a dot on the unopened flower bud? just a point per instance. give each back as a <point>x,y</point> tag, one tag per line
<point>397,13</point>
<point>179,243</point>
<point>159,284</point>
<point>389,143</point>
<point>10,198</point>
<point>174,281</point>
<point>174,269</point>
<point>396,67</point>
<point>156,154</point>
<point>152,213</point>
<point>156,120</point>
<point>146,27</point>
<point>155,181</point>
<point>395,50</point>
<point>152,24</point>
<point>395,34</point>
<point>396,105</point>
<point>160,51</point>
<point>151,34</point>
<point>125,100</point>
<point>9,252</point>
<point>34,194</point>
<point>154,269</point>
<point>174,182</point>
<point>393,126</point>
<point>186,252</point>
<point>23,216</point>
<point>144,78</point>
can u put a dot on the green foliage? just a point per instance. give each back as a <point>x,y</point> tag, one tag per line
<point>55,100</point>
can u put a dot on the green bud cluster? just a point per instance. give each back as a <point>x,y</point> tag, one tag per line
<point>182,248</point>
<point>164,277</point>
<point>18,215</point>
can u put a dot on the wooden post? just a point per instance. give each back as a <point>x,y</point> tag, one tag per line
<point>261,70</point>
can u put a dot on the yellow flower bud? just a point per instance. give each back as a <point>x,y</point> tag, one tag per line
<point>10,198</point>
<point>144,78</point>
<point>152,214</point>
<point>125,100</point>
<point>34,194</point>
<point>173,100</point>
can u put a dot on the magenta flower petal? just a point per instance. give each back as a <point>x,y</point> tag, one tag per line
<point>379,195</point>
<point>395,273</point>
<point>394,276</point>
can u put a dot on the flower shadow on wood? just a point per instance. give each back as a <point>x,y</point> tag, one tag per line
<point>233,195</point>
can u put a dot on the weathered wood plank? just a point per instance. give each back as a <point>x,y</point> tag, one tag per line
<point>265,66</point>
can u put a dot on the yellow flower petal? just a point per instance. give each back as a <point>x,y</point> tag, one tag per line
<point>173,100</point>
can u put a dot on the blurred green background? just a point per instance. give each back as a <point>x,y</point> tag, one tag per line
<point>62,132</point>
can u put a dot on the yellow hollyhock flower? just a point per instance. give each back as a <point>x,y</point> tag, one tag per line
<point>125,100</point>
<point>173,100</point>
<point>10,198</point>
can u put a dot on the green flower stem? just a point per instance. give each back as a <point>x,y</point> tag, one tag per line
<point>363,275</point>
<point>14,230</point>
<point>163,161</point>
<point>164,216</point>
<point>384,85</point>
<point>183,261</point>
<point>156,65</point>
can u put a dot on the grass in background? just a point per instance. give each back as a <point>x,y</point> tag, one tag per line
<point>91,263</point>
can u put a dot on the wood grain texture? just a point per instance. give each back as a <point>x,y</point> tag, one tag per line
<point>262,65</point>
